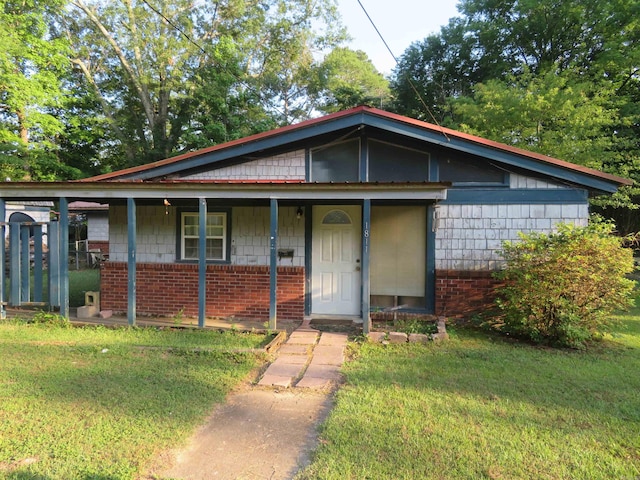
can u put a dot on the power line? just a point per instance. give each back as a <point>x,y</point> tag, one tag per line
<point>413,87</point>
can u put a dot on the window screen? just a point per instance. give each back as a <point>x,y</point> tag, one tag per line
<point>391,163</point>
<point>336,163</point>
<point>459,171</point>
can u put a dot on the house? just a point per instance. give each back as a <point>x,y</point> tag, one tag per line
<point>96,217</point>
<point>348,215</point>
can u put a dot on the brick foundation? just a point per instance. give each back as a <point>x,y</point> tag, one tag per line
<point>102,245</point>
<point>461,293</point>
<point>232,290</point>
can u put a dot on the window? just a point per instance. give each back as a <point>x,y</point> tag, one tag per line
<point>216,236</point>
<point>336,163</point>
<point>391,163</point>
<point>474,172</point>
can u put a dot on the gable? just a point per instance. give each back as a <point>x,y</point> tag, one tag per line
<point>372,131</point>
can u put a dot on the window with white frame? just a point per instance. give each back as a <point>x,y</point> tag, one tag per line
<point>216,236</point>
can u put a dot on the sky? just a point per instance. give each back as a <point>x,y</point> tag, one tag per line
<point>401,22</point>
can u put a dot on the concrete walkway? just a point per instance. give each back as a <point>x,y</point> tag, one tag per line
<point>308,359</point>
<point>268,430</point>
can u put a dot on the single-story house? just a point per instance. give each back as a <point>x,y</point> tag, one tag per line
<point>346,215</point>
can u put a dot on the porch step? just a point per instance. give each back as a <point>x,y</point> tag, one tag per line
<point>308,359</point>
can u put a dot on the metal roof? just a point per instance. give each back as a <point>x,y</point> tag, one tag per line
<point>390,122</point>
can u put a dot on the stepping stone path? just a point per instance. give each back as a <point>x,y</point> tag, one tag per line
<point>308,359</point>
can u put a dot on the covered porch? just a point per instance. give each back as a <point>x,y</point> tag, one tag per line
<point>199,196</point>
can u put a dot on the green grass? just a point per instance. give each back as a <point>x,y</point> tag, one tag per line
<point>80,282</point>
<point>480,406</point>
<point>80,403</point>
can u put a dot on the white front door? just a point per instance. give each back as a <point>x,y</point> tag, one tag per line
<point>336,260</point>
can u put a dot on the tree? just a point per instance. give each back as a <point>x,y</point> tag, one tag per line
<point>32,60</point>
<point>346,79</point>
<point>556,77</point>
<point>166,74</point>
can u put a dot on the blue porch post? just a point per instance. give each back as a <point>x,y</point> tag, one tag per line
<point>131,261</point>
<point>366,288</point>
<point>64,257</point>
<point>202,262</point>
<point>273,265</point>
<point>3,218</point>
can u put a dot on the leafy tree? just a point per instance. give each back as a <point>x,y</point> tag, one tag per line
<point>32,60</point>
<point>346,79</point>
<point>169,75</point>
<point>562,288</point>
<point>547,113</point>
<point>555,77</point>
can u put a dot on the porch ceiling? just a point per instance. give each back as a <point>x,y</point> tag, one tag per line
<point>287,190</point>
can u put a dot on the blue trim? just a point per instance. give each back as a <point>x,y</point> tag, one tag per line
<point>202,261</point>
<point>434,168</point>
<point>37,263</point>
<point>14,263</point>
<point>273,264</point>
<point>307,164</point>
<point>64,257</point>
<point>131,261</point>
<point>432,137</point>
<point>54,263</point>
<point>364,159</point>
<point>274,141</point>
<point>308,239</point>
<point>3,256</point>
<point>510,195</point>
<point>25,294</point>
<point>512,159</point>
<point>430,287</point>
<point>365,273</point>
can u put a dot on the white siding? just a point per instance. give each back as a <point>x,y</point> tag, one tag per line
<point>156,235</point>
<point>468,236</point>
<point>288,166</point>
<point>98,226</point>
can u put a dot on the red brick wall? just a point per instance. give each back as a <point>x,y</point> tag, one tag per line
<point>461,293</point>
<point>232,290</point>
<point>102,245</point>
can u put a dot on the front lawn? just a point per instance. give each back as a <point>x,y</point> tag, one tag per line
<point>480,406</point>
<point>80,403</point>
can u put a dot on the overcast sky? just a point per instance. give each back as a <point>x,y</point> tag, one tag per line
<point>401,22</point>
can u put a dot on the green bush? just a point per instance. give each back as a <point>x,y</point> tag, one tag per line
<point>561,288</point>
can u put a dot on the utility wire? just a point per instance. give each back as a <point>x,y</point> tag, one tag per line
<point>413,87</point>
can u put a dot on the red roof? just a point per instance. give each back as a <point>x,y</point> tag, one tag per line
<point>446,132</point>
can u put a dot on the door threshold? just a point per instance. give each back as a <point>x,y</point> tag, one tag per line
<point>329,318</point>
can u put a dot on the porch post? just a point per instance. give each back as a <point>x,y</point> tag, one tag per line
<point>64,257</point>
<point>3,218</point>
<point>131,261</point>
<point>273,265</point>
<point>366,288</point>
<point>202,262</point>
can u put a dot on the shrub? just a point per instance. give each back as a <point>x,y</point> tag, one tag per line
<point>561,288</point>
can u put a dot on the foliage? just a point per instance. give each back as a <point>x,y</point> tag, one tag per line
<point>32,59</point>
<point>480,407</point>
<point>559,78</point>
<point>347,79</point>
<point>174,76</point>
<point>561,288</point>
<point>102,403</point>
<point>50,319</point>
